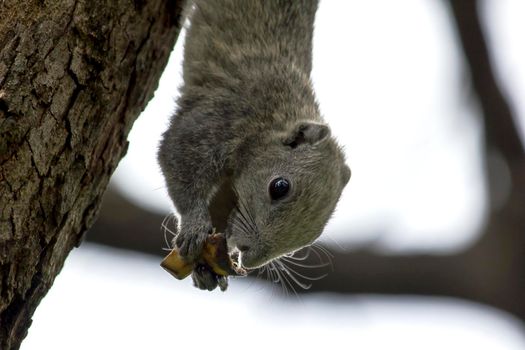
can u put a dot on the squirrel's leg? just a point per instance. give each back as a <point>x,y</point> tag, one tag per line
<point>190,191</point>
<point>188,159</point>
<point>195,228</point>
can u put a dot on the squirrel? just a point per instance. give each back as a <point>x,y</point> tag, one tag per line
<point>247,152</point>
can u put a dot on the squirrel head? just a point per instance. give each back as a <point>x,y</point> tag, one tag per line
<point>285,191</point>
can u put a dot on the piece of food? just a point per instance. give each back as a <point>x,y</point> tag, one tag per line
<point>214,255</point>
<point>176,265</point>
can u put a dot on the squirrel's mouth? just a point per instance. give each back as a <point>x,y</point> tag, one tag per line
<point>236,251</point>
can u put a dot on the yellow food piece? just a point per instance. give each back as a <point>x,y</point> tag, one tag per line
<point>176,265</point>
<point>214,255</point>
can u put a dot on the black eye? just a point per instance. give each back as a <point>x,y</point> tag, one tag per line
<point>279,188</point>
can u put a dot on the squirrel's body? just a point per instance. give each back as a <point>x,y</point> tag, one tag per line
<point>248,129</point>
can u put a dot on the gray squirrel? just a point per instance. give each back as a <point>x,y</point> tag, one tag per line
<point>247,152</point>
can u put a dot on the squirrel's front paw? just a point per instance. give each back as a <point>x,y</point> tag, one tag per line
<point>192,236</point>
<point>204,278</point>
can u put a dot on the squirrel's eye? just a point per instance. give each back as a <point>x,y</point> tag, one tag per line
<point>279,188</point>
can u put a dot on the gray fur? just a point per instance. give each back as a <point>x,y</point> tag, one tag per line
<point>247,114</point>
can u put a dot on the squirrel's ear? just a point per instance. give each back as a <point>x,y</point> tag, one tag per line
<point>307,132</point>
<point>346,173</point>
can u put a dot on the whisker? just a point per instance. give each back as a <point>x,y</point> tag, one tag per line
<point>249,220</point>
<point>273,275</point>
<point>313,266</point>
<point>250,229</point>
<point>270,279</point>
<point>277,276</point>
<point>238,223</point>
<point>283,282</point>
<point>266,273</point>
<point>326,253</point>
<point>285,274</point>
<point>288,271</point>
<point>165,229</point>
<point>339,245</point>
<point>308,278</point>
<point>242,203</point>
<point>260,272</point>
<point>299,258</point>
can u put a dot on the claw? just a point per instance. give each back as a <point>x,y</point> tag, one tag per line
<point>204,278</point>
<point>192,237</point>
<point>223,282</point>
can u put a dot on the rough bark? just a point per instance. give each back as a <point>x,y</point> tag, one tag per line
<point>74,75</point>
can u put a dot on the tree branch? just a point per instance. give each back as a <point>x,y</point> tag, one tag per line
<point>500,125</point>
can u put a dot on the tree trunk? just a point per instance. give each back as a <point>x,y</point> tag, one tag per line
<point>74,75</point>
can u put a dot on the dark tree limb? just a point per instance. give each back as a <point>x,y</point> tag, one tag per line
<point>124,225</point>
<point>500,127</point>
<point>74,75</point>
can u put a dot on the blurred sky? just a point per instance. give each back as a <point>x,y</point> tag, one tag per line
<point>388,76</point>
